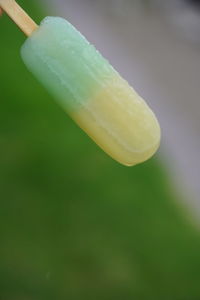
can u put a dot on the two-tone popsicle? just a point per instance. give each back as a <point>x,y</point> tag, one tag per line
<point>88,88</point>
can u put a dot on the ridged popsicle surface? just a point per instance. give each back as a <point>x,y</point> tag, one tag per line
<point>91,91</point>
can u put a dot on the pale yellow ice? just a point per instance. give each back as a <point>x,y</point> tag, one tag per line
<point>120,122</point>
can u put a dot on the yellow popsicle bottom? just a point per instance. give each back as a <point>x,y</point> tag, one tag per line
<point>120,122</point>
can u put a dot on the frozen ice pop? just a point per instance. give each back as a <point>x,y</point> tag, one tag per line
<point>96,97</point>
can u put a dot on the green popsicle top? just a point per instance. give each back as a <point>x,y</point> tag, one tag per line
<point>67,64</point>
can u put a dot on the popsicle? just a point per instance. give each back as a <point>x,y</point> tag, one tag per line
<point>91,91</point>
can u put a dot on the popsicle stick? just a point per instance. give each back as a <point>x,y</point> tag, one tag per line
<point>19,16</point>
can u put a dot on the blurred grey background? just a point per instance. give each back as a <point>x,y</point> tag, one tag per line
<point>155,44</point>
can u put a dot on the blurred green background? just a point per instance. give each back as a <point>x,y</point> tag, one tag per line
<point>74,224</point>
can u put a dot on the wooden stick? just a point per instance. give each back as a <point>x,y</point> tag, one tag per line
<point>19,16</point>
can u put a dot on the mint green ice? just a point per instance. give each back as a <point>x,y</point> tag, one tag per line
<point>65,62</point>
